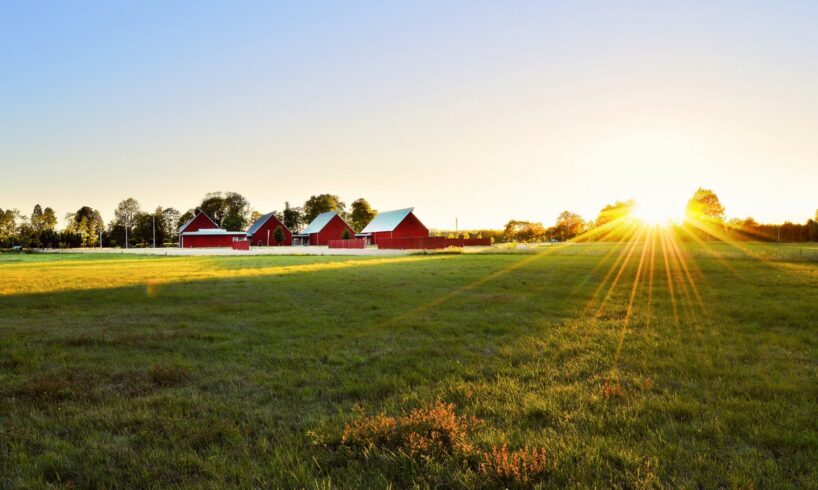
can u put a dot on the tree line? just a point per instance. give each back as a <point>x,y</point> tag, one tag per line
<point>705,220</point>
<point>140,228</point>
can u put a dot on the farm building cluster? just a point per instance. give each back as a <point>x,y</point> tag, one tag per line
<point>398,229</point>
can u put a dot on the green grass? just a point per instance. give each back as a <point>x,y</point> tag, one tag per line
<point>214,372</point>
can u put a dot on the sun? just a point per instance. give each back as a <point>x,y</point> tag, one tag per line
<point>657,212</point>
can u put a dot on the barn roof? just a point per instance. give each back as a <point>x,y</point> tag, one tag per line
<point>196,215</point>
<point>260,222</point>
<point>212,231</point>
<point>387,221</point>
<point>319,222</point>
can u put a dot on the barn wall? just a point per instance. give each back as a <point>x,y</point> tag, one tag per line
<point>410,227</point>
<point>333,230</point>
<point>260,237</point>
<point>200,241</point>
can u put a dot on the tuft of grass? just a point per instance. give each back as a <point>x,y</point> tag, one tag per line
<point>168,374</point>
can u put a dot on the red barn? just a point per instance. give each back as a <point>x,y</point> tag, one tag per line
<point>262,232</point>
<point>199,221</point>
<point>202,231</point>
<point>325,227</point>
<point>401,223</point>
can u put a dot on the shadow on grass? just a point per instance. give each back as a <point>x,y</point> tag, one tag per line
<point>218,381</point>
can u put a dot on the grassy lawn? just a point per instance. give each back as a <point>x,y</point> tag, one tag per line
<point>689,370</point>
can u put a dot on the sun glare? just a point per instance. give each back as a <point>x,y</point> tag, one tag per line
<point>657,212</point>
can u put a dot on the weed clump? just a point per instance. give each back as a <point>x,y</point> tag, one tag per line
<point>435,437</point>
<point>433,431</point>
<point>521,466</point>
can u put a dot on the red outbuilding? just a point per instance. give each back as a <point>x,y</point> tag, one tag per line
<point>401,223</point>
<point>263,232</point>
<point>199,221</point>
<point>202,231</point>
<point>325,227</point>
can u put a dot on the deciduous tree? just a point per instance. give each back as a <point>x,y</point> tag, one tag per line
<point>293,218</point>
<point>230,210</point>
<point>705,206</point>
<point>362,213</point>
<point>322,203</point>
<point>569,225</point>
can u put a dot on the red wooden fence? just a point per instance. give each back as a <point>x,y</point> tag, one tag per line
<point>431,243</point>
<point>241,245</point>
<point>352,243</point>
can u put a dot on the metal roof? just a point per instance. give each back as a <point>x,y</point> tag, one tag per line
<point>319,222</point>
<point>260,222</point>
<point>387,221</point>
<point>212,231</point>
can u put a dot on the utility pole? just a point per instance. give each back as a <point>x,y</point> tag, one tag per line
<point>126,231</point>
<point>455,226</point>
<point>154,230</point>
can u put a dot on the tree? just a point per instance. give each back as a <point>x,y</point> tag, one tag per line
<point>8,227</point>
<point>48,220</point>
<point>292,217</point>
<point>322,203</point>
<point>345,235</point>
<point>362,213</point>
<point>184,218</point>
<point>613,212</point>
<point>170,225</point>
<point>278,235</point>
<point>523,231</point>
<point>122,227</point>
<point>255,215</point>
<point>705,206</point>
<point>86,224</point>
<point>230,210</point>
<point>36,216</point>
<point>569,225</point>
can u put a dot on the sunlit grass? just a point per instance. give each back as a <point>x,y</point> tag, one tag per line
<point>649,361</point>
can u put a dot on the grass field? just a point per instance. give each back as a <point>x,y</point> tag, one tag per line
<point>631,368</point>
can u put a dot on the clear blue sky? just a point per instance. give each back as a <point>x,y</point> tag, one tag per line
<point>479,110</point>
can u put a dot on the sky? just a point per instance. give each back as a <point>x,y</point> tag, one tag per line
<point>479,111</point>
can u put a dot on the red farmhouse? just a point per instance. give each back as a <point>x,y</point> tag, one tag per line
<point>263,232</point>
<point>202,231</point>
<point>401,223</point>
<point>325,227</point>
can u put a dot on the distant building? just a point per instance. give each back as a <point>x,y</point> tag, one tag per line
<point>263,232</point>
<point>401,223</point>
<point>202,231</point>
<point>325,227</point>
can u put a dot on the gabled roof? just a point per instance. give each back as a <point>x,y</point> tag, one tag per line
<point>260,222</point>
<point>212,231</point>
<point>320,222</point>
<point>196,215</point>
<point>387,221</point>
